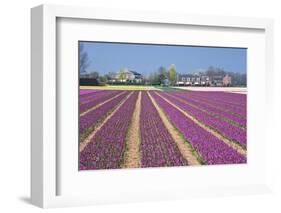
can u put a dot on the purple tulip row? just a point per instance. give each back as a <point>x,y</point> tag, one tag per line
<point>212,109</point>
<point>91,96</point>
<point>227,98</point>
<point>211,149</point>
<point>157,147</point>
<point>92,117</point>
<point>97,99</point>
<point>240,111</point>
<point>228,130</point>
<point>106,148</point>
<point>88,96</point>
<point>87,91</point>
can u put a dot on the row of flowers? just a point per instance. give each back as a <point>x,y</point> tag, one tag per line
<point>219,103</point>
<point>210,148</point>
<point>84,96</point>
<point>157,146</point>
<point>224,128</point>
<point>106,148</point>
<point>84,92</point>
<point>235,99</point>
<point>94,99</point>
<point>91,118</point>
<point>213,110</point>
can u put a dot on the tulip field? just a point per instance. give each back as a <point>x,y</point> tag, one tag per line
<point>154,128</point>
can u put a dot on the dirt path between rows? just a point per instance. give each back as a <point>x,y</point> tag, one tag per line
<point>100,104</point>
<point>235,146</point>
<point>132,152</point>
<point>99,126</point>
<point>185,149</point>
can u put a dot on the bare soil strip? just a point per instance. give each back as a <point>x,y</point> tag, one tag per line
<point>232,144</point>
<point>100,125</point>
<point>185,148</point>
<point>100,104</point>
<point>133,140</point>
<point>210,113</point>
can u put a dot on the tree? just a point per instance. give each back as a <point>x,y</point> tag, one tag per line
<point>103,79</point>
<point>94,75</point>
<point>172,73</point>
<point>122,75</point>
<point>84,61</point>
<point>162,74</point>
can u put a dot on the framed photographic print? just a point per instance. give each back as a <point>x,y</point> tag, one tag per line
<point>130,106</point>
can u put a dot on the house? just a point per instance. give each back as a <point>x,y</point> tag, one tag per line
<point>133,76</point>
<point>220,80</point>
<point>217,80</point>
<point>184,80</point>
<point>193,80</point>
<point>203,80</point>
<point>126,76</point>
<point>226,81</point>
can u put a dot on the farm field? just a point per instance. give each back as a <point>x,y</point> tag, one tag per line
<point>140,127</point>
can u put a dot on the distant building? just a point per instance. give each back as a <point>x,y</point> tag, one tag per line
<point>226,80</point>
<point>89,79</point>
<point>133,76</point>
<point>185,80</point>
<point>203,80</point>
<point>92,75</point>
<point>129,76</point>
<point>193,80</point>
<point>217,80</point>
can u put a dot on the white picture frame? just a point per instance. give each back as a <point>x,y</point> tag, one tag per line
<point>44,153</point>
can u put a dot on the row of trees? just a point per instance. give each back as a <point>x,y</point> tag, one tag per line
<point>162,76</point>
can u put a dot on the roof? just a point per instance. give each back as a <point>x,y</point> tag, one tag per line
<point>134,72</point>
<point>186,75</point>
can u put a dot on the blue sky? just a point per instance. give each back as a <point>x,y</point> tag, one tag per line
<point>106,57</point>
